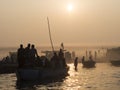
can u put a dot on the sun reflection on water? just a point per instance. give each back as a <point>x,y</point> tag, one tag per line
<point>103,77</point>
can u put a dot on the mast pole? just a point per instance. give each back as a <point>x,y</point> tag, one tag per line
<point>50,35</point>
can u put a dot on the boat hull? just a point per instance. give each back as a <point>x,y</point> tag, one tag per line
<point>115,63</point>
<point>40,74</point>
<point>89,64</point>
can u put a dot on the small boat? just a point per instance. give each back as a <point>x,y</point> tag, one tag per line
<point>113,55</point>
<point>115,62</point>
<point>30,74</point>
<point>89,64</point>
<point>9,63</point>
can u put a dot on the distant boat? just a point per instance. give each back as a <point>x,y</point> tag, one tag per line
<point>113,55</point>
<point>9,63</point>
<point>30,74</point>
<point>115,63</point>
<point>89,64</point>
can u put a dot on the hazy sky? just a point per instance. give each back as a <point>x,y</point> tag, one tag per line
<point>74,22</point>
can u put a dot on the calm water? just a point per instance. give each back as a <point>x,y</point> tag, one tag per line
<point>103,77</point>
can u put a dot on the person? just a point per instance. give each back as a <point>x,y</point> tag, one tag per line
<point>61,54</point>
<point>83,59</point>
<point>33,54</point>
<point>95,54</point>
<point>54,60</point>
<point>62,59</point>
<point>27,54</point>
<point>20,56</point>
<point>86,53</point>
<point>90,58</point>
<point>76,63</point>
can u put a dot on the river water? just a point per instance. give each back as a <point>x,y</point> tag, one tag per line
<point>102,77</point>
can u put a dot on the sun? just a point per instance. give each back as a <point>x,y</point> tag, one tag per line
<point>70,7</point>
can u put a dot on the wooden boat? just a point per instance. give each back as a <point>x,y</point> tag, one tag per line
<point>113,55</point>
<point>115,62</point>
<point>29,74</point>
<point>89,64</point>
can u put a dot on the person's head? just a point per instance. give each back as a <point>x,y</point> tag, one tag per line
<point>28,45</point>
<point>60,50</point>
<point>21,45</point>
<point>76,57</point>
<point>55,54</point>
<point>33,46</point>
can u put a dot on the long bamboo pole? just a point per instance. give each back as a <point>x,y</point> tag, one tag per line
<point>50,35</point>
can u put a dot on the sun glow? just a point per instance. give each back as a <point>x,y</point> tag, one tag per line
<point>70,7</point>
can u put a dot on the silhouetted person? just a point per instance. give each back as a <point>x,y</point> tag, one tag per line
<point>33,54</point>
<point>54,60</point>
<point>90,58</point>
<point>90,53</point>
<point>76,63</point>
<point>62,59</point>
<point>99,51</point>
<point>20,56</point>
<point>86,53</point>
<point>95,54</point>
<point>61,54</point>
<point>27,54</point>
<point>83,59</point>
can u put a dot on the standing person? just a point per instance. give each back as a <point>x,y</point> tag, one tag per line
<point>83,59</point>
<point>86,53</point>
<point>62,59</point>
<point>54,61</point>
<point>20,56</point>
<point>27,54</point>
<point>61,54</point>
<point>76,63</point>
<point>33,54</point>
<point>95,54</point>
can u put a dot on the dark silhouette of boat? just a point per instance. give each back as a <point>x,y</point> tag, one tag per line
<point>113,55</point>
<point>30,74</point>
<point>9,63</point>
<point>89,64</point>
<point>115,63</point>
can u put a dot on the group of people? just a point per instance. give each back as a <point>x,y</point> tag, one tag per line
<point>58,60</point>
<point>26,56</point>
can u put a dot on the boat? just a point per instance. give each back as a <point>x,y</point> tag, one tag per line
<point>113,56</point>
<point>89,64</point>
<point>9,63</point>
<point>44,73</point>
<point>115,63</point>
<point>31,74</point>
